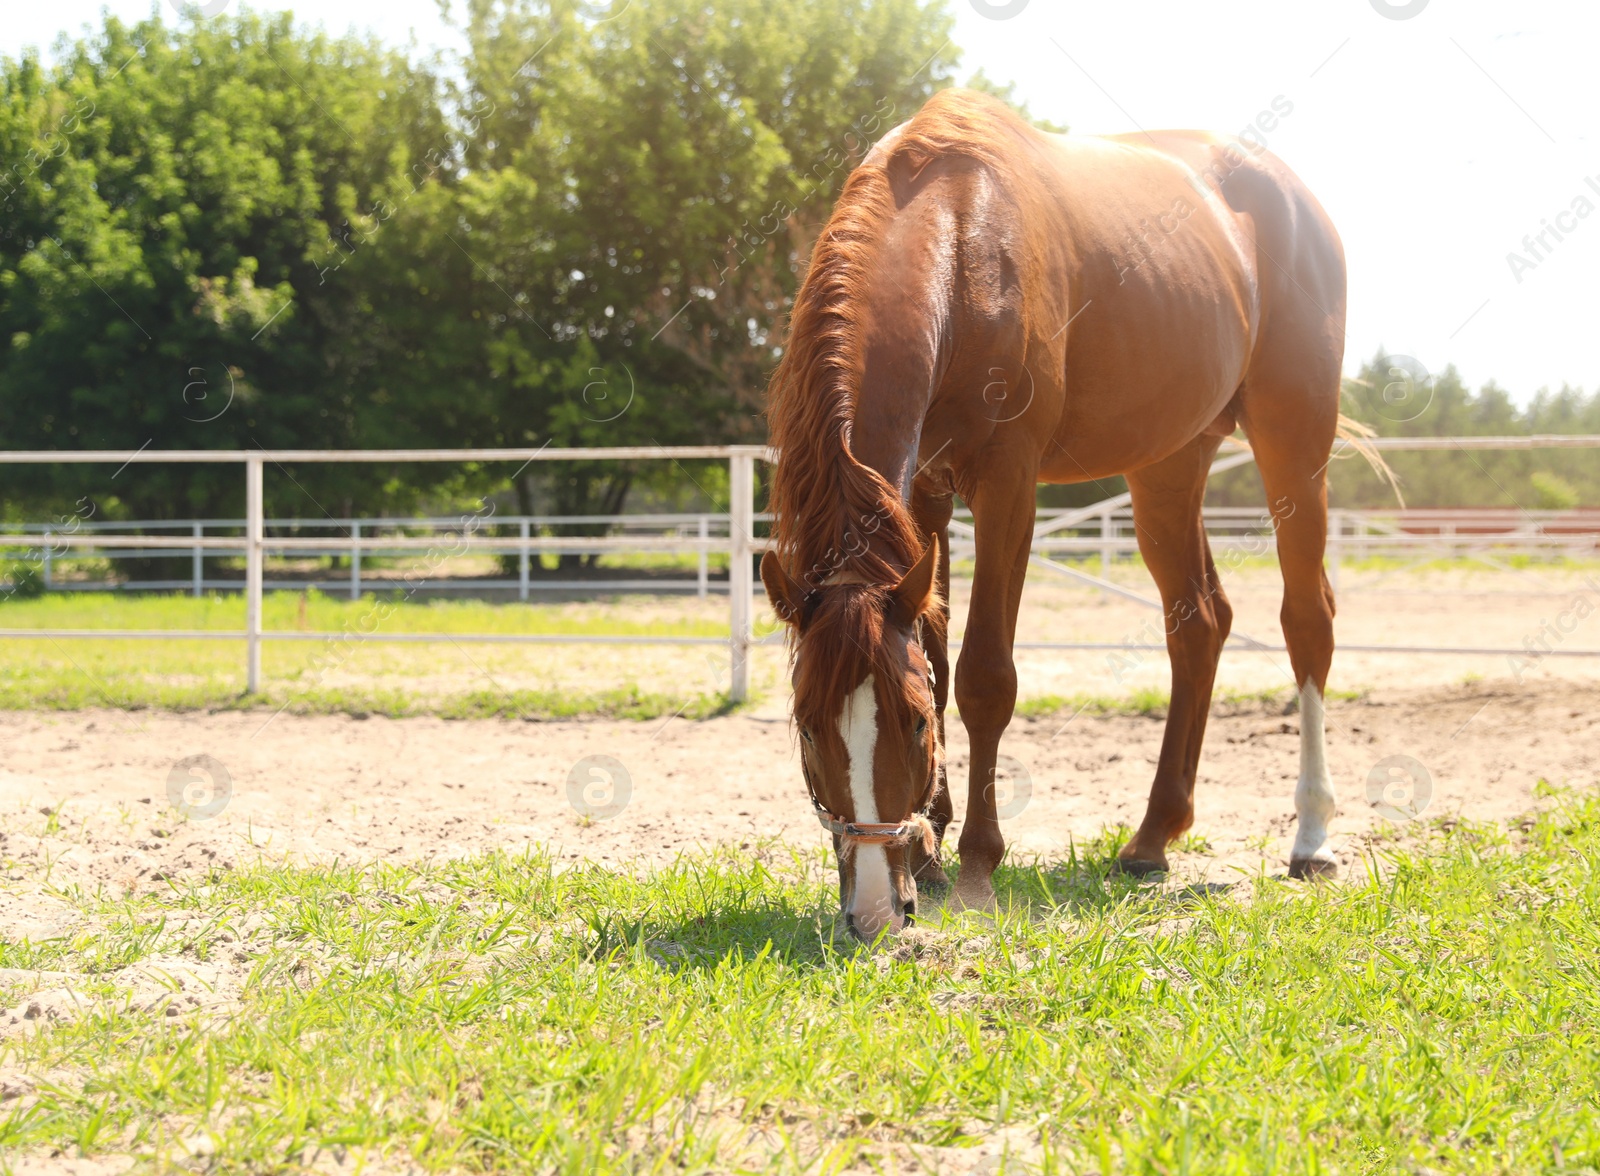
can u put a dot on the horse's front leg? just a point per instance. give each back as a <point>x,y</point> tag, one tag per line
<point>932,513</point>
<point>986,675</point>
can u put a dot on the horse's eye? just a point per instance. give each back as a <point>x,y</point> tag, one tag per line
<point>921,727</point>
<point>805,733</point>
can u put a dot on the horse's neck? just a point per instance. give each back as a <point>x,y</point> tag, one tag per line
<point>885,438</point>
<point>903,362</point>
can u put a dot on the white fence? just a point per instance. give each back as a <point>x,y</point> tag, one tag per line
<point>255,543</point>
<point>1108,533</point>
<point>1356,532</point>
<point>364,541</point>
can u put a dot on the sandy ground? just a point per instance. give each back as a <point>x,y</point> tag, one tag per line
<point>88,798</point>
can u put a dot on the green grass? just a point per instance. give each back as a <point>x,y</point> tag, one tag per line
<point>304,677</point>
<point>498,1013</point>
<point>1238,561</point>
<point>685,564</point>
<point>209,675</point>
<point>1142,700</point>
<point>1152,701</point>
<point>322,613</point>
<point>70,691</point>
<point>1517,560</point>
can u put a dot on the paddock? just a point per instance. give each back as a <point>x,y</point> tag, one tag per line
<point>1432,618</point>
<point>209,885</point>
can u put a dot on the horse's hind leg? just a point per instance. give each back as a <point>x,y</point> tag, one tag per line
<point>1292,430</point>
<point>1167,498</point>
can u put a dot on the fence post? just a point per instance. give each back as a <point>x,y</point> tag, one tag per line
<point>522,563</point>
<point>197,563</point>
<point>355,560</point>
<point>701,582</point>
<point>252,573</point>
<point>49,553</point>
<point>741,509</point>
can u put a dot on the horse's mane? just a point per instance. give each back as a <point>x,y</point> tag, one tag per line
<point>832,514</point>
<point>830,510</point>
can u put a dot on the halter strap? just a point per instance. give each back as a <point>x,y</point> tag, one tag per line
<point>847,576</point>
<point>868,832</point>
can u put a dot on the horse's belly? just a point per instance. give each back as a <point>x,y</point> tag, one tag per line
<point>1087,462</point>
<point>1094,454</point>
<point>1126,408</point>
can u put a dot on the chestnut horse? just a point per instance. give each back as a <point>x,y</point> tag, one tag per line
<point>990,307</point>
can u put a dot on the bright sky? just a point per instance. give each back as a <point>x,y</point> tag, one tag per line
<point>1437,141</point>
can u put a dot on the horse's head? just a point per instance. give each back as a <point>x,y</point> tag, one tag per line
<point>863,702</point>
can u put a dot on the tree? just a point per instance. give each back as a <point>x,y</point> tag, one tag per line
<point>642,190</point>
<point>174,200</point>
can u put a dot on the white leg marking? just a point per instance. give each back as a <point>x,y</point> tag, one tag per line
<point>872,904</point>
<point>1313,795</point>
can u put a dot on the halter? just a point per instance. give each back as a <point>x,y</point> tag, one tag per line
<point>871,832</point>
<point>916,827</point>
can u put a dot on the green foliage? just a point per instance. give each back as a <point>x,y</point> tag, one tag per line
<point>23,581</point>
<point>171,199</point>
<point>642,192</point>
<point>1552,491</point>
<point>236,232</point>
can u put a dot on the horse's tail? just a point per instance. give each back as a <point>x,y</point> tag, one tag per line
<point>1359,437</point>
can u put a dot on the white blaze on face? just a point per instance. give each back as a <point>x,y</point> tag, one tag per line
<point>1313,796</point>
<point>872,899</point>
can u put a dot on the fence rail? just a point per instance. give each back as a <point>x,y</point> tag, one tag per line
<point>1108,532</point>
<point>702,535</point>
<point>739,542</point>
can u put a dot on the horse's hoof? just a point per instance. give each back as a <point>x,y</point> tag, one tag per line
<point>1139,867</point>
<point>935,885</point>
<point>973,896</point>
<point>1313,867</point>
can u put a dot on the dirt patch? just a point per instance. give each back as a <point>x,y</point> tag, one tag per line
<point>85,795</point>
<point>164,986</point>
<point>57,1164</point>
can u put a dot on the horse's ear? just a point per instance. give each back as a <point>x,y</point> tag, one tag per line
<point>788,601</point>
<point>912,596</point>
